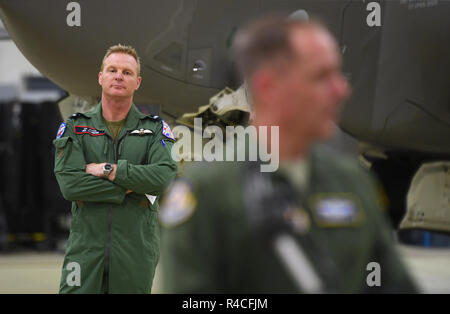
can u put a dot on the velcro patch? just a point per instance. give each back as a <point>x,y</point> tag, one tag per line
<point>338,212</point>
<point>88,130</point>
<point>167,132</point>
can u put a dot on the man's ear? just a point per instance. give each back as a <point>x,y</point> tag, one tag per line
<point>138,82</point>
<point>100,78</point>
<point>264,84</point>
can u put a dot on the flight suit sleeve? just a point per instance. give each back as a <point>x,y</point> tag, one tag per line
<point>395,277</point>
<point>190,261</point>
<point>154,177</point>
<point>70,172</point>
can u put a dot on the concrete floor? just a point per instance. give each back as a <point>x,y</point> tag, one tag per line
<point>429,267</point>
<point>31,272</point>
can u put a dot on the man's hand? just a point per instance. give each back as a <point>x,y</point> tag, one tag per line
<point>97,170</point>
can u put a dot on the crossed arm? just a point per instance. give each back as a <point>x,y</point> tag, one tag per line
<point>97,171</point>
<point>81,181</point>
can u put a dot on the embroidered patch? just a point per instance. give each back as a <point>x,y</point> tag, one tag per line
<point>178,205</point>
<point>88,130</point>
<point>141,132</point>
<point>167,132</point>
<point>61,130</point>
<point>337,212</point>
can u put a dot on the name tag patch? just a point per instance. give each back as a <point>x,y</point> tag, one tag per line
<point>88,130</point>
<point>338,212</point>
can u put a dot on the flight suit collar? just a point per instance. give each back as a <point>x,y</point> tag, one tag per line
<point>131,123</point>
<point>133,118</point>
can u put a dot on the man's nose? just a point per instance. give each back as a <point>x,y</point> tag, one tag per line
<point>118,76</point>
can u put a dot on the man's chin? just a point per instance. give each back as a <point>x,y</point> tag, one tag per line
<point>328,131</point>
<point>119,94</point>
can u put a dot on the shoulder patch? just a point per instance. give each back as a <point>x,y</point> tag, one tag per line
<point>167,132</point>
<point>78,129</point>
<point>178,205</point>
<point>61,130</point>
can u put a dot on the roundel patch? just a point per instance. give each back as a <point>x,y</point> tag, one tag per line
<point>167,132</point>
<point>61,130</point>
<point>178,205</point>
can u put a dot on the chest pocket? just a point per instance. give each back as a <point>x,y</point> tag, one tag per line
<point>135,147</point>
<point>96,149</point>
<point>341,224</point>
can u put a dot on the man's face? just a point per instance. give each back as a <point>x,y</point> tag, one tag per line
<point>119,77</point>
<point>312,87</point>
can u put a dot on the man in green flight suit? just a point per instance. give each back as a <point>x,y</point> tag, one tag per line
<point>113,163</point>
<point>315,224</point>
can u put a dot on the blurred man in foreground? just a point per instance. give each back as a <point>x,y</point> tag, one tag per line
<point>314,225</point>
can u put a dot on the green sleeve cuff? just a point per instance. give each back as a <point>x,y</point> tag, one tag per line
<point>121,172</point>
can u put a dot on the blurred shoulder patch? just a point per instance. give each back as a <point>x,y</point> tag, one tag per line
<point>178,205</point>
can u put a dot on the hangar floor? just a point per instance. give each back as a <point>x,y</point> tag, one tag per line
<point>39,273</point>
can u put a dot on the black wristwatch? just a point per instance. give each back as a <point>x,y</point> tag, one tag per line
<point>107,168</point>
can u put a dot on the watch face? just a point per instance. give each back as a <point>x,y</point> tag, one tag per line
<point>108,167</point>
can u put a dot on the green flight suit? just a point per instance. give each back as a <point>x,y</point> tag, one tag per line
<point>210,244</point>
<point>114,236</point>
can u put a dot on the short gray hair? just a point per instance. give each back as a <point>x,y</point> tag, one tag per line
<point>266,40</point>
<point>119,48</point>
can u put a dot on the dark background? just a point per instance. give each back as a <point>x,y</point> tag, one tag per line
<point>33,213</point>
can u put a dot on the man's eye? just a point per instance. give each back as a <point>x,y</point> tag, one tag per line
<point>320,77</point>
<point>112,70</point>
<point>127,73</point>
<point>323,76</point>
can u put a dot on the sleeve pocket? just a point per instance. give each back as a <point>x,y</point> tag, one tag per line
<point>60,142</point>
<point>60,152</point>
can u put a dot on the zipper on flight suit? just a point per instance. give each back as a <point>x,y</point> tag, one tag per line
<point>108,236</point>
